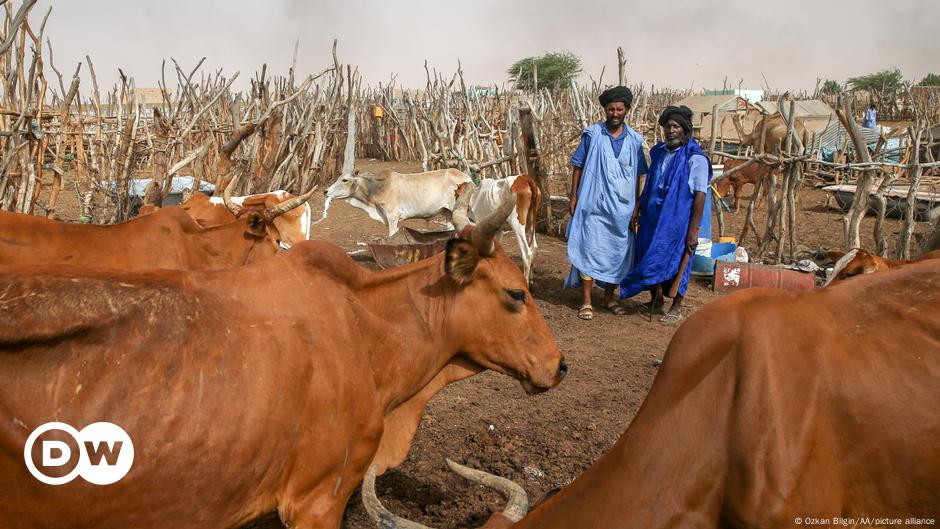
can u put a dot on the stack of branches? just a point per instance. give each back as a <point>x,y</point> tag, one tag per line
<point>444,125</point>
<point>280,134</point>
<point>927,101</point>
<point>778,242</point>
<point>276,136</point>
<point>892,105</point>
<point>23,146</point>
<point>873,179</point>
<point>476,129</point>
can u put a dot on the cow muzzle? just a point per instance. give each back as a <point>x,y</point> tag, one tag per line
<point>533,388</point>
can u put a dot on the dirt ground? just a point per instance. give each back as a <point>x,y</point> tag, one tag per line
<point>545,441</point>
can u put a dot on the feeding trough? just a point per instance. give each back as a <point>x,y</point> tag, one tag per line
<point>414,245</point>
<point>926,205</point>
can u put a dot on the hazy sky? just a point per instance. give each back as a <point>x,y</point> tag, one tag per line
<point>677,43</point>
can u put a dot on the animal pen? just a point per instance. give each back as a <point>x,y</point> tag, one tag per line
<point>285,132</point>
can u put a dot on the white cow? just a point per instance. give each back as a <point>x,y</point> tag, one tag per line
<point>391,197</point>
<point>486,198</point>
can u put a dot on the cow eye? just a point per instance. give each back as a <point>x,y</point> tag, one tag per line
<point>517,295</point>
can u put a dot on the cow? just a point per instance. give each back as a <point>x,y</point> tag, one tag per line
<point>757,174</point>
<point>293,226</point>
<point>858,261</point>
<point>253,389</point>
<point>763,417</point>
<point>527,196</point>
<point>391,197</point>
<point>167,238</point>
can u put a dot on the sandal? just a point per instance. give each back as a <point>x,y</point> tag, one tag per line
<point>586,312</point>
<point>616,308</point>
<point>671,317</point>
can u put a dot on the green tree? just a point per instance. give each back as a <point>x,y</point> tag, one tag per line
<point>886,81</point>
<point>931,79</point>
<point>831,87</point>
<point>554,69</point>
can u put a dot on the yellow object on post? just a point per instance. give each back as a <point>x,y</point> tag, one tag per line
<point>726,239</point>
<point>378,112</point>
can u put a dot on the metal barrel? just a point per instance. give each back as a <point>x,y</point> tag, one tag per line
<point>734,276</point>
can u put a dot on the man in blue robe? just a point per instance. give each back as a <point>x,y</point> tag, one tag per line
<point>870,120</point>
<point>604,192</point>
<point>669,214</point>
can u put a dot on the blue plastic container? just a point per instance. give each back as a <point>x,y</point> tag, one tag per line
<point>721,251</point>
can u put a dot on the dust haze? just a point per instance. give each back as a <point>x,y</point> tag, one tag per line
<point>679,44</point>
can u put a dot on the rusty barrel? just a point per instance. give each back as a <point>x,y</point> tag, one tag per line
<point>734,276</point>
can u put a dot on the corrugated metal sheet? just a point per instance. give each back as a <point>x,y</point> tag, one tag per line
<point>834,136</point>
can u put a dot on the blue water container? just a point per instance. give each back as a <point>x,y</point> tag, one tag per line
<point>721,251</point>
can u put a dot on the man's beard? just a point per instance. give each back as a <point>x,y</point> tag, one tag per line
<point>613,123</point>
<point>677,142</point>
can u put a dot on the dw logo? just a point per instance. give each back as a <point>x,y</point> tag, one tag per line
<point>101,453</point>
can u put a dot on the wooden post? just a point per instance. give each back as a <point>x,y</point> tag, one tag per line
<point>853,218</point>
<point>916,172</point>
<point>533,162</point>
<point>621,67</point>
<point>716,200</point>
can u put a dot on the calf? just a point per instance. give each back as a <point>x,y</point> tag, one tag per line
<point>757,174</point>
<point>527,198</point>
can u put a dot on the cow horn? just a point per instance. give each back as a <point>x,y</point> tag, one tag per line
<point>383,518</point>
<point>227,198</point>
<point>486,230</point>
<point>276,211</point>
<point>460,217</point>
<point>517,505</point>
<point>516,508</point>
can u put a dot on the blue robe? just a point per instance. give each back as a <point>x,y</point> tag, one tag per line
<point>600,243</point>
<point>665,210</point>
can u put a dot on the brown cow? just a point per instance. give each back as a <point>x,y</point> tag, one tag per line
<point>774,408</point>
<point>250,389</point>
<point>168,238</point>
<point>858,261</point>
<point>293,226</point>
<point>752,174</point>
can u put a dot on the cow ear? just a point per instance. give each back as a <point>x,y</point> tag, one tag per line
<point>460,260</point>
<point>256,225</point>
<point>869,265</point>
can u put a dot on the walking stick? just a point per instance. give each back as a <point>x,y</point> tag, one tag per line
<point>674,289</point>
